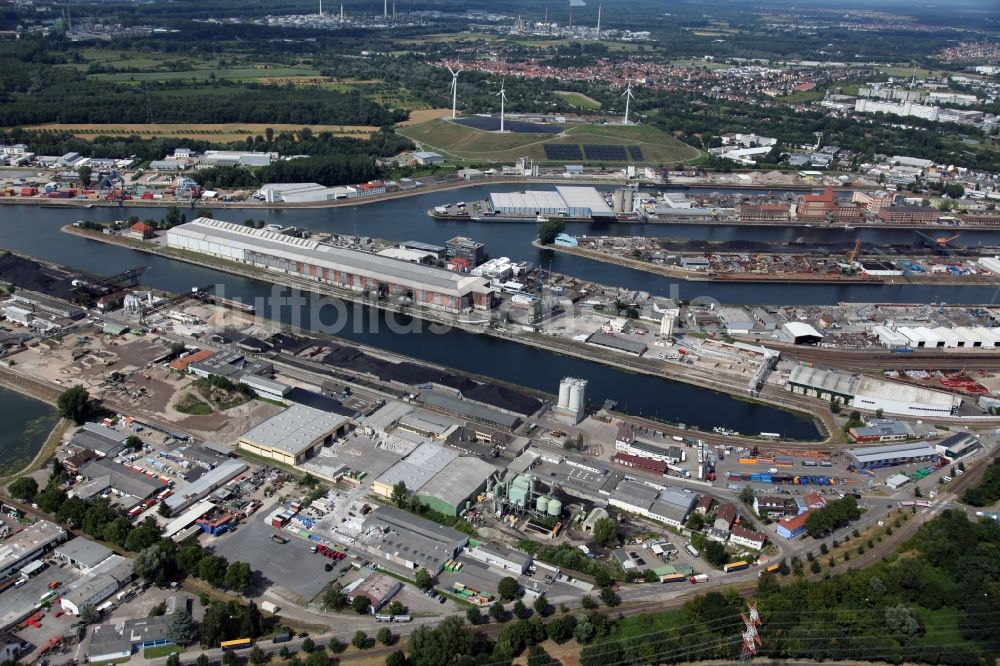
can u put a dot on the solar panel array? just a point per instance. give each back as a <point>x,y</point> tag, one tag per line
<point>605,153</point>
<point>491,124</point>
<point>562,151</point>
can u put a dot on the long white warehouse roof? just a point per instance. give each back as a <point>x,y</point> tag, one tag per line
<point>207,230</point>
<point>892,451</point>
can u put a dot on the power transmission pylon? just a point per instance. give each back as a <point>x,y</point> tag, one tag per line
<point>751,637</point>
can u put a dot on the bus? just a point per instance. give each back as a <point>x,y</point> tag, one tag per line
<point>735,566</point>
<point>238,644</point>
<point>771,568</point>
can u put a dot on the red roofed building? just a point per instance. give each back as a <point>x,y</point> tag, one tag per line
<point>792,527</point>
<point>459,265</point>
<point>814,500</point>
<point>817,207</point>
<point>725,516</point>
<point>370,188</point>
<point>140,231</point>
<point>183,363</point>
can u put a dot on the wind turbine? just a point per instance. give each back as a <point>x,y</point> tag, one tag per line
<point>628,96</point>
<point>454,89</point>
<point>503,98</point>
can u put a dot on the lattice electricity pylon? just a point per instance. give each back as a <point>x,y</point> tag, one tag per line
<point>750,636</point>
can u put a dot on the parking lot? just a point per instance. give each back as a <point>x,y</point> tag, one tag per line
<point>295,573</point>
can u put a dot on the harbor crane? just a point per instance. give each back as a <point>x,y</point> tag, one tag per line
<point>940,244</point>
<point>103,286</point>
<point>850,264</point>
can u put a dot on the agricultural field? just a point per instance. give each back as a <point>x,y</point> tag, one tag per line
<point>219,133</point>
<point>579,100</point>
<point>242,74</point>
<point>465,143</point>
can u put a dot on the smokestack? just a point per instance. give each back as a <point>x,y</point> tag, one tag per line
<point>320,7</point>
<point>385,8</point>
<point>599,8</point>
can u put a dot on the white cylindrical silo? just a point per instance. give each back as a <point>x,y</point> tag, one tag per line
<point>564,392</point>
<point>575,396</point>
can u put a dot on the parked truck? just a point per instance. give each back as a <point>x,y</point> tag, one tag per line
<point>269,607</point>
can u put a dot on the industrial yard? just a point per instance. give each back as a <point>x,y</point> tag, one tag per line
<point>530,476</point>
<point>792,262</point>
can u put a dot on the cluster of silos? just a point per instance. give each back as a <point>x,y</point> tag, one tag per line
<point>572,393</point>
<point>523,493</point>
<point>623,200</point>
<point>572,399</point>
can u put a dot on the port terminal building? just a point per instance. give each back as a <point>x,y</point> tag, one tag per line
<point>564,201</point>
<point>362,272</point>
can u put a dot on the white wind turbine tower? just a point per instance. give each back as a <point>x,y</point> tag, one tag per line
<point>454,89</point>
<point>503,98</point>
<point>628,96</point>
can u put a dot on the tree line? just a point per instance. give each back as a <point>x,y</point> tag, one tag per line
<point>987,491</point>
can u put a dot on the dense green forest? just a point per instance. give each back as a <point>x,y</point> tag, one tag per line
<point>987,491</point>
<point>33,90</point>
<point>303,142</point>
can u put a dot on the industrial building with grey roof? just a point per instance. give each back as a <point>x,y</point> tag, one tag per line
<point>868,457</point>
<point>410,540</point>
<point>293,435</point>
<point>456,484</point>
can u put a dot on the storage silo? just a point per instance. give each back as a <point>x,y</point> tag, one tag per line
<point>555,508</point>
<point>542,504</point>
<point>564,392</point>
<point>629,195</point>
<point>619,201</point>
<point>576,395</point>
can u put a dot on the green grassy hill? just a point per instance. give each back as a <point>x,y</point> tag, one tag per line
<point>458,142</point>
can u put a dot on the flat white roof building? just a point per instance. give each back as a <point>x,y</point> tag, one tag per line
<point>294,434</point>
<point>532,202</point>
<point>352,270</point>
<point>889,337</point>
<point>904,399</point>
<point>583,201</point>
<point>28,544</point>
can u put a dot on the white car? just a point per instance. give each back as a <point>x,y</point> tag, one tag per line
<point>946,478</point>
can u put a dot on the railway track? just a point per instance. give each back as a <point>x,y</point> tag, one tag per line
<point>867,360</point>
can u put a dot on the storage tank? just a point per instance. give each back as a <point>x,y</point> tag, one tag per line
<point>628,201</point>
<point>576,396</point>
<point>564,392</point>
<point>619,201</point>
<point>555,508</point>
<point>542,504</point>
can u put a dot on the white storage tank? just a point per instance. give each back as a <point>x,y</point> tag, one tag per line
<point>555,508</point>
<point>564,392</point>
<point>542,504</point>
